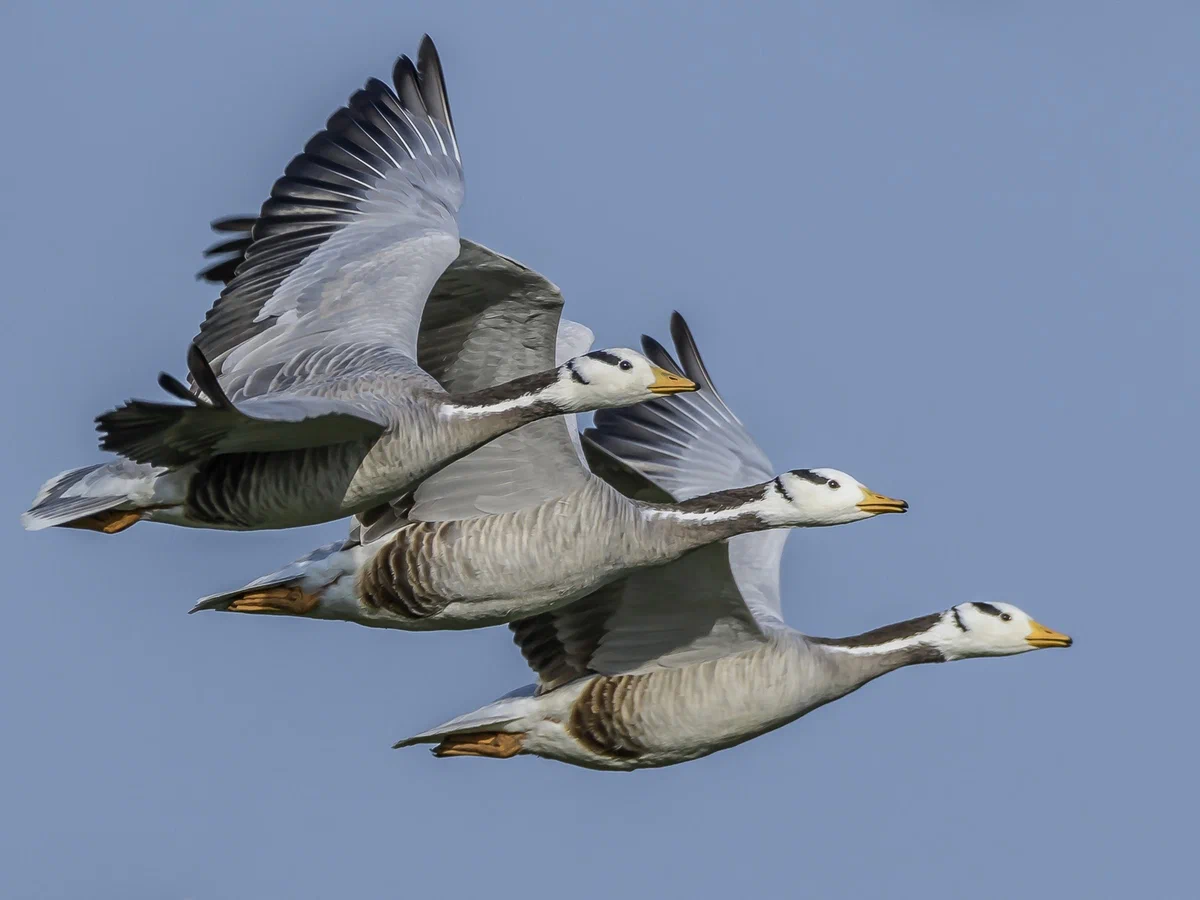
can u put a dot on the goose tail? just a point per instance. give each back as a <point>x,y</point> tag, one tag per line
<point>106,497</point>
<point>496,730</point>
<point>320,584</point>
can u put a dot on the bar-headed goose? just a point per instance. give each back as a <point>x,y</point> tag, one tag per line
<point>522,526</point>
<point>683,660</point>
<point>306,401</point>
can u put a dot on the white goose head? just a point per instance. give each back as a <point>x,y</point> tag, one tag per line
<point>814,497</point>
<point>991,629</point>
<point>612,378</point>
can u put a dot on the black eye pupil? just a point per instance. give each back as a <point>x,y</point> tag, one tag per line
<point>1005,617</point>
<point>626,365</point>
<point>833,485</point>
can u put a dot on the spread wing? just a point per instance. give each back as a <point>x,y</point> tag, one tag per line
<point>207,423</point>
<point>684,612</point>
<point>231,250</point>
<point>710,603</point>
<point>693,444</point>
<point>535,463</point>
<point>352,239</point>
<point>673,615</point>
<point>489,320</point>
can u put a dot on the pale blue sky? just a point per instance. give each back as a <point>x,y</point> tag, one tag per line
<point>948,247</point>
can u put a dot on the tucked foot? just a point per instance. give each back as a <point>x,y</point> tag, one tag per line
<point>498,744</point>
<point>108,522</point>
<point>286,601</point>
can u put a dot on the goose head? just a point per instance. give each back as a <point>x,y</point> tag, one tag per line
<point>816,497</point>
<point>991,629</point>
<point>612,378</point>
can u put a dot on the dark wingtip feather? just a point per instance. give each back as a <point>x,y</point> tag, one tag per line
<point>319,192</point>
<point>135,429</point>
<point>403,69</point>
<point>234,245</point>
<point>407,83</point>
<point>233,223</point>
<point>222,271</point>
<point>659,355</point>
<point>204,377</point>
<point>175,387</point>
<point>689,353</point>
<point>433,82</point>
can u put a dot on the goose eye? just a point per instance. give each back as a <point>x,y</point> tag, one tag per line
<point>833,485</point>
<point>1005,617</point>
<point>625,364</point>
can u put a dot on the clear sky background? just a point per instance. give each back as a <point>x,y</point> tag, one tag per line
<point>947,247</point>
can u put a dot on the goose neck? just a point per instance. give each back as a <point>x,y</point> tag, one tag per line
<point>515,402</point>
<point>716,516</point>
<point>865,656</point>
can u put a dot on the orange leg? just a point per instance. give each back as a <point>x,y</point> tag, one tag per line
<point>109,522</point>
<point>288,601</point>
<point>498,744</point>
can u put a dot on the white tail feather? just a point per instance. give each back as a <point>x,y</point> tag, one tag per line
<point>78,493</point>
<point>506,714</point>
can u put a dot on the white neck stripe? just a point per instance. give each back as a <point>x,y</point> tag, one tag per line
<point>905,643</point>
<point>716,515</point>
<point>459,411</point>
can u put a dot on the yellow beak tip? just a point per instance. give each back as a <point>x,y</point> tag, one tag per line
<point>878,504</point>
<point>669,383</point>
<point>1040,636</point>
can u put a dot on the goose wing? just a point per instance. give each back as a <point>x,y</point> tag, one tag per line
<point>352,239</point>
<point>693,445</point>
<point>535,463</point>
<point>487,315</point>
<point>489,320</point>
<point>689,445</point>
<point>684,612</point>
<point>710,603</point>
<point>207,423</point>
<point>230,251</point>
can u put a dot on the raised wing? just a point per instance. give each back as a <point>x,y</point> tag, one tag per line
<point>710,603</point>
<point>488,320</point>
<point>684,612</point>
<point>673,615</point>
<point>694,445</point>
<point>231,250</point>
<point>535,463</point>
<point>353,238</point>
<point>488,316</point>
<point>689,445</point>
<point>207,423</point>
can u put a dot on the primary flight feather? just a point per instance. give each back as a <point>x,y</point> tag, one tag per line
<point>306,400</point>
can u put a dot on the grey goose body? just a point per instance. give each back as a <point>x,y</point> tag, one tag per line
<point>680,661</point>
<point>522,527</point>
<point>306,399</point>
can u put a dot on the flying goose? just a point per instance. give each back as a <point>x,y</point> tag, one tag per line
<point>307,401</point>
<point>521,527</point>
<point>683,660</point>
